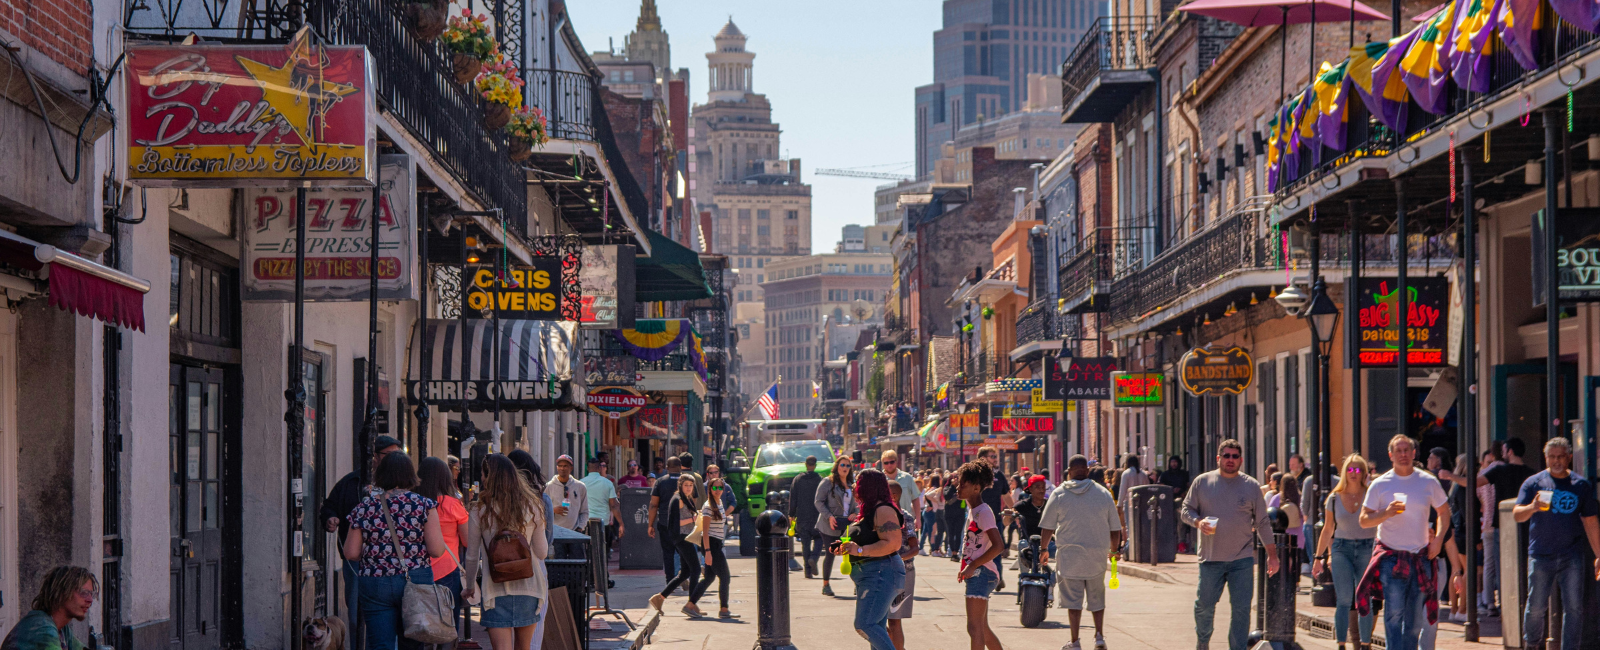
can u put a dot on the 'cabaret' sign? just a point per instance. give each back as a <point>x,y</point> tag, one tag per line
<point>240,115</point>
<point>1214,371</point>
<point>1078,377</point>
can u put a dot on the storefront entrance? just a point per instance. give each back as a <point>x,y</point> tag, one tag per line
<point>1519,407</point>
<point>201,431</point>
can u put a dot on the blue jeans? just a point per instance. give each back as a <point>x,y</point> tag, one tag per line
<point>380,606</point>
<point>927,530</point>
<point>351,589</point>
<point>1404,614</point>
<point>1238,576</point>
<point>1491,569</point>
<point>877,582</point>
<point>1348,559</point>
<point>1545,572</point>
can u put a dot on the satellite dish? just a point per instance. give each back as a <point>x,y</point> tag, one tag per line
<point>861,310</point>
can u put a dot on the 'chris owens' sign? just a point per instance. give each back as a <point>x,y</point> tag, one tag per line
<point>530,292</point>
<point>524,395</point>
<point>1214,371</point>
<point>1378,303</point>
<point>1078,377</point>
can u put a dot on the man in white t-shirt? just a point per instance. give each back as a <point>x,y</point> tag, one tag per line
<point>1397,504</point>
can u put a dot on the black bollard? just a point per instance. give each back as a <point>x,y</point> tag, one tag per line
<point>1278,632</point>
<point>773,550</point>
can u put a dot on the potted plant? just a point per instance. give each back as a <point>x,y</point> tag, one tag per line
<point>527,130</point>
<point>426,18</point>
<point>501,90</point>
<point>469,43</point>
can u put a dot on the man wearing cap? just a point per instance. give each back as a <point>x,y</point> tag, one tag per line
<point>570,495</point>
<point>344,497</point>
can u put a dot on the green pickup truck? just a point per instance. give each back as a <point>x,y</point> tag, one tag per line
<point>775,467</point>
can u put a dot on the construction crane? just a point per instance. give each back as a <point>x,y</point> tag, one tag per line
<point>857,172</point>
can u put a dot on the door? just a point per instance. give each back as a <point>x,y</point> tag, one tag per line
<point>196,422</point>
<point>315,540</point>
<point>1519,408</point>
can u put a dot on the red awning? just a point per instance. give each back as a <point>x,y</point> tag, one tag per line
<point>78,285</point>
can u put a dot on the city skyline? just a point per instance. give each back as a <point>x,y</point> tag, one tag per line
<point>878,58</point>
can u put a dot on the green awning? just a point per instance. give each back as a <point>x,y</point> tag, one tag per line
<point>672,272</point>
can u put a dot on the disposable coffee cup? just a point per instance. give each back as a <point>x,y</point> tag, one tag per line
<point>1210,522</point>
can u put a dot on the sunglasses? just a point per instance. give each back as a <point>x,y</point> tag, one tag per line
<point>1353,470</point>
<point>1230,456</point>
<point>891,462</point>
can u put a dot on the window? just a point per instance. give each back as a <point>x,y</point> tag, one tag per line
<point>763,214</point>
<point>763,231</point>
<point>792,214</point>
<point>761,262</point>
<point>627,75</point>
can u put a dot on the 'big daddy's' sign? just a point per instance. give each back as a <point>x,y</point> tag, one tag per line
<point>241,115</point>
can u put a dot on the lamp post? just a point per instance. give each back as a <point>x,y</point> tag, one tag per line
<point>1323,316</point>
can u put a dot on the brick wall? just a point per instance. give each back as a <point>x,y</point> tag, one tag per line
<point>60,29</point>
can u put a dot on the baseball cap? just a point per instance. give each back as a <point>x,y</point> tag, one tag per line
<point>564,457</point>
<point>1035,479</point>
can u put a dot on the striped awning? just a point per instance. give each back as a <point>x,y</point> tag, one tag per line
<point>529,350</point>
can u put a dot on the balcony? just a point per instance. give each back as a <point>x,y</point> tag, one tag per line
<point>567,101</point>
<point>413,80</point>
<point>1036,331</point>
<point>1086,273</point>
<point>1232,244</point>
<point>1109,67</point>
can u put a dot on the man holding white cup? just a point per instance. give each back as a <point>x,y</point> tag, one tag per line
<point>1561,510</point>
<point>1228,509</point>
<point>1402,570</point>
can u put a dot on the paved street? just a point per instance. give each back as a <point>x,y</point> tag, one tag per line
<point>1152,611</point>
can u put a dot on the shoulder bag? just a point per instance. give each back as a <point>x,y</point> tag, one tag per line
<point>425,610</point>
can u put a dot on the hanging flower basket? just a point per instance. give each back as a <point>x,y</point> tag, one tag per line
<point>469,42</point>
<point>501,89</point>
<point>427,19</point>
<point>496,115</point>
<point>527,130</point>
<point>521,149</point>
<point>467,67</point>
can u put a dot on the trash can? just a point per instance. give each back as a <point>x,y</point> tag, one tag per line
<point>636,549</point>
<point>568,566</point>
<point>1153,524</point>
<point>1513,574</point>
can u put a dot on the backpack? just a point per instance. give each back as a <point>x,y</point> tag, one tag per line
<point>510,557</point>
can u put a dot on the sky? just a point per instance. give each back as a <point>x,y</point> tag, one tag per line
<point>839,74</point>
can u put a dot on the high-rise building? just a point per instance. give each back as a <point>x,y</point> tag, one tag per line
<point>648,42</point>
<point>754,207</point>
<point>981,59</point>
<point>804,297</point>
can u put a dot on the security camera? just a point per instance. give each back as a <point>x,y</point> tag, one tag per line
<point>1293,300</point>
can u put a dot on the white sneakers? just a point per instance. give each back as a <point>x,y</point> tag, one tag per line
<point>1072,646</point>
<point>1099,644</point>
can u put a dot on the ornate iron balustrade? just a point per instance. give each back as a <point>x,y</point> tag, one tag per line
<point>567,100</point>
<point>1087,264</point>
<point>1110,44</point>
<point>414,80</point>
<point>1228,246</point>
<point>1131,247</point>
<point>1037,322</point>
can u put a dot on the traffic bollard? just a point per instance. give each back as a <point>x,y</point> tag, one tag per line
<point>1278,602</point>
<point>773,550</point>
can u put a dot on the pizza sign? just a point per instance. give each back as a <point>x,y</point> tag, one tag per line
<point>239,115</point>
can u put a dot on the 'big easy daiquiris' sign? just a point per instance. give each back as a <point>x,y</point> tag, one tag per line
<point>240,115</point>
<point>1377,305</point>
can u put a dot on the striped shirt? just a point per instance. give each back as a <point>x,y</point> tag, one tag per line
<point>715,526</point>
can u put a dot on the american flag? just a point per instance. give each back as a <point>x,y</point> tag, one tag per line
<point>768,402</point>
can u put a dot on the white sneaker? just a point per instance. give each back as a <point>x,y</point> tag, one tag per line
<point>1072,646</point>
<point>1099,642</point>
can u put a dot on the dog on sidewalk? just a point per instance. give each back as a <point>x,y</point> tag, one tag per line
<point>326,633</point>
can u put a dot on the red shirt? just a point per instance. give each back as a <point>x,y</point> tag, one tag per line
<point>451,515</point>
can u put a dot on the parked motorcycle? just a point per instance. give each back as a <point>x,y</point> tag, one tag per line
<point>1035,585</point>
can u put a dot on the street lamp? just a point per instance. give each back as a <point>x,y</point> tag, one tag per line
<point>1323,316</point>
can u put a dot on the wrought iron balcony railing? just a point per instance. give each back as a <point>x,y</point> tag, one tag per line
<point>1037,322</point>
<point>567,100</point>
<point>1091,89</point>
<point>1230,245</point>
<point>414,80</point>
<point>1086,269</point>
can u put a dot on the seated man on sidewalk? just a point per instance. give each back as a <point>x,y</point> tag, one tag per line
<point>1402,571</point>
<point>1082,518</point>
<point>1228,508</point>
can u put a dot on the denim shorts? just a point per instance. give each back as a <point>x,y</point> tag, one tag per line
<point>511,611</point>
<point>982,583</point>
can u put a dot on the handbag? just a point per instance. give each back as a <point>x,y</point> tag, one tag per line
<point>425,610</point>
